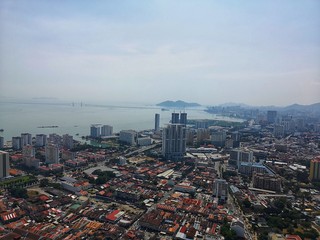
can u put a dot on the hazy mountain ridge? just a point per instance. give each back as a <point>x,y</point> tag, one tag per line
<point>315,107</point>
<point>177,104</point>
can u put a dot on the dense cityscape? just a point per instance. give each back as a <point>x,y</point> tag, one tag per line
<point>171,119</point>
<point>190,179</point>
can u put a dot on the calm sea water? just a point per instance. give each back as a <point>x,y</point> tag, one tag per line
<point>17,118</point>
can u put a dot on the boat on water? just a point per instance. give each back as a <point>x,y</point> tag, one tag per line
<point>1,130</point>
<point>164,109</point>
<point>48,126</point>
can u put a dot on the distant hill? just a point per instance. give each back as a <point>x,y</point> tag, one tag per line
<point>294,108</point>
<point>177,104</point>
<point>298,107</point>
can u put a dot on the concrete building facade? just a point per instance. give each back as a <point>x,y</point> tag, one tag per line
<point>41,140</point>
<point>267,182</point>
<point>106,130</point>
<point>157,122</point>
<point>174,137</point>
<point>4,164</point>
<point>240,155</point>
<point>174,141</point>
<point>52,153</point>
<point>128,136</point>
<point>95,130</point>
<point>219,138</point>
<point>220,189</point>
<point>67,141</point>
<point>1,142</point>
<point>16,143</point>
<point>26,139</point>
<point>272,116</point>
<point>315,169</point>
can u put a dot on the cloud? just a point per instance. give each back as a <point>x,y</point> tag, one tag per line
<point>162,50</point>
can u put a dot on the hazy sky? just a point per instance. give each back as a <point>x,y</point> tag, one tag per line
<point>211,52</point>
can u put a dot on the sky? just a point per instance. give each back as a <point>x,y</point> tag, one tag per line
<point>264,52</point>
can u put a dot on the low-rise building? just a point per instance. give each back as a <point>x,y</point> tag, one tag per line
<point>184,188</point>
<point>267,182</point>
<point>145,141</point>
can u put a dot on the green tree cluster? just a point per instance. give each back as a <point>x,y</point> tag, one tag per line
<point>18,192</point>
<point>227,232</point>
<point>103,176</point>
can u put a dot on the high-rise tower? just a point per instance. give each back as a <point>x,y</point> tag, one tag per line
<point>4,164</point>
<point>41,140</point>
<point>26,139</point>
<point>183,118</point>
<point>271,116</point>
<point>157,122</point>
<point>174,138</point>
<point>52,153</point>
<point>175,118</point>
<point>315,169</point>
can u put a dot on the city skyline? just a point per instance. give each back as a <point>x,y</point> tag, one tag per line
<point>257,53</point>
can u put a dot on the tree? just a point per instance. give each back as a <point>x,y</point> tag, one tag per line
<point>246,203</point>
<point>303,176</point>
<point>228,233</point>
<point>15,204</point>
<point>44,182</point>
<point>18,192</point>
<point>280,203</point>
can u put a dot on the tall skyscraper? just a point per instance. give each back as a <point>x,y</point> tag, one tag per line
<point>95,130</point>
<point>183,119</point>
<point>4,164</point>
<point>179,118</point>
<point>52,153</point>
<point>67,141</point>
<point>271,116</point>
<point>1,142</point>
<point>315,169</point>
<point>175,118</point>
<point>41,140</point>
<point>26,139</point>
<point>219,138</point>
<point>16,143</point>
<point>157,122</point>
<point>174,139</point>
<point>106,130</point>
<point>28,153</point>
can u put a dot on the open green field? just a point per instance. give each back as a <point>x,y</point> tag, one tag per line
<point>17,181</point>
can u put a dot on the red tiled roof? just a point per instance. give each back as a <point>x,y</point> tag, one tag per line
<point>183,229</point>
<point>112,216</point>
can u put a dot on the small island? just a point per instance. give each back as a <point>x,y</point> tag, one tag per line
<point>177,104</point>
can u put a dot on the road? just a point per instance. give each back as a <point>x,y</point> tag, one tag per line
<point>142,149</point>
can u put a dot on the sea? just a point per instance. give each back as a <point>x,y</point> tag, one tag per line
<point>75,119</point>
